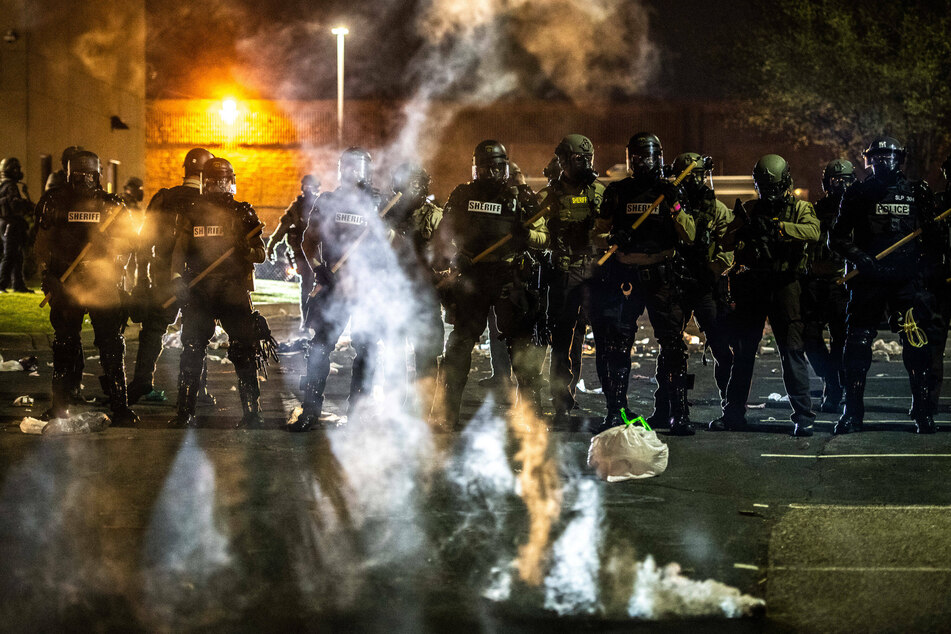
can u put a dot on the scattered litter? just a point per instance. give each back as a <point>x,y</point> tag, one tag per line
<point>627,452</point>
<point>84,423</point>
<point>635,365</point>
<point>771,419</point>
<point>219,339</point>
<point>172,339</point>
<point>891,347</point>
<point>94,357</point>
<point>11,366</point>
<point>762,506</point>
<point>234,388</point>
<point>297,345</point>
<point>779,398</point>
<point>29,364</point>
<point>692,340</point>
<point>23,401</point>
<point>774,370</point>
<point>767,350</point>
<point>643,341</point>
<point>224,360</point>
<point>34,373</point>
<point>746,566</point>
<point>880,375</point>
<point>581,388</point>
<point>757,406</point>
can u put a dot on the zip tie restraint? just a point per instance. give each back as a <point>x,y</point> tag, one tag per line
<point>628,422</point>
<point>915,335</point>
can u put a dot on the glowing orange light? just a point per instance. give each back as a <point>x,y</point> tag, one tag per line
<point>229,111</point>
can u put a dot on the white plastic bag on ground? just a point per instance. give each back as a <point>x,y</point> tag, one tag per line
<point>627,452</point>
<point>83,423</point>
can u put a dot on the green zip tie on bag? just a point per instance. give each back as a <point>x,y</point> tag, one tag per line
<point>639,419</point>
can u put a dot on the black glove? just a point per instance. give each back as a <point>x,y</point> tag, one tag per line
<point>520,234</point>
<point>50,283</point>
<point>620,237</point>
<point>180,289</point>
<point>324,277</point>
<point>865,263</point>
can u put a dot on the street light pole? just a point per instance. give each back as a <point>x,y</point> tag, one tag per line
<point>340,32</point>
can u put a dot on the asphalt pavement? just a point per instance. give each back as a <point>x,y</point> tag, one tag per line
<point>386,525</point>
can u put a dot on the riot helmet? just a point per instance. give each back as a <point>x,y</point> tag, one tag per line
<point>69,152</point>
<point>217,177</point>
<point>837,176</point>
<point>411,180</point>
<point>703,165</point>
<point>575,156</point>
<point>309,185</point>
<point>195,161</point>
<point>645,155</point>
<point>82,170</point>
<point>133,189</point>
<point>10,169</point>
<point>354,169</point>
<point>490,162</point>
<point>771,178</point>
<point>884,156</point>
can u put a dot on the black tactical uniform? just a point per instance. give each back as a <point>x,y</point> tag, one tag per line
<point>874,214</point>
<point>154,273</point>
<point>478,214</point>
<point>704,287</point>
<point>823,298</point>
<point>641,274</point>
<point>58,178</point>
<point>291,230</point>
<point>572,201</point>
<point>71,218</point>
<point>334,229</point>
<point>206,229</point>
<point>940,286</point>
<point>16,215</point>
<point>770,247</point>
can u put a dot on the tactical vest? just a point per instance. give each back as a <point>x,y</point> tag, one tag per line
<point>72,221</point>
<point>296,217</point>
<point>343,215</point>
<point>884,214</point>
<point>482,214</point>
<point>785,254</point>
<point>632,198</point>
<point>571,220</point>
<point>212,225</point>
<point>703,209</point>
<point>162,215</point>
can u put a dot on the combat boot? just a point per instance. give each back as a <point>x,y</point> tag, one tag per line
<point>852,418</point>
<point>831,395</point>
<point>727,422</point>
<point>249,392</point>
<point>680,424</point>
<point>312,386</point>
<point>921,408</point>
<point>660,417</point>
<point>113,384</point>
<point>802,430</point>
<point>188,389</point>
<point>612,419</point>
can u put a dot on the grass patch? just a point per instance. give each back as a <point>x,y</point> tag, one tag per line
<point>21,312</point>
<point>275,292</point>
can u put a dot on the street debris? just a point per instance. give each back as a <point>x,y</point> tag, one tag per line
<point>84,423</point>
<point>628,451</point>
<point>584,390</point>
<point>23,401</point>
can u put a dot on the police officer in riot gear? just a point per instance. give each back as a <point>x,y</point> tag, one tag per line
<point>572,200</point>
<point>154,274</point>
<point>16,216</point>
<point>478,214</point>
<point>291,230</point>
<point>206,229</point>
<point>874,214</point>
<point>823,298</point>
<point>58,178</point>
<point>770,243</point>
<point>412,223</point>
<point>940,287</point>
<point>641,275</point>
<point>705,289</point>
<point>71,218</point>
<point>333,230</point>
<point>132,193</point>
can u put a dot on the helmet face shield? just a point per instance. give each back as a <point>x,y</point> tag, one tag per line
<point>355,168</point>
<point>577,166</point>
<point>883,164</point>
<point>494,170</point>
<point>645,160</point>
<point>219,185</point>
<point>838,184</point>
<point>770,190</point>
<point>82,171</point>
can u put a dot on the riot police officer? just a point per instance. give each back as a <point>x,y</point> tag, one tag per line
<point>823,297</point>
<point>705,289</point>
<point>154,274</point>
<point>572,201</point>
<point>770,244</point>
<point>205,231</point>
<point>71,218</point>
<point>16,215</point>
<point>940,286</point>
<point>132,193</point>
<point>641,274</point>
<point>58,178</point>
<point>874,214</point>
<point>412,223</point>
<point>291,230</point>
<point>477,215</point>
<point>332,238</point>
